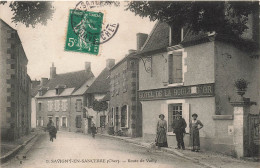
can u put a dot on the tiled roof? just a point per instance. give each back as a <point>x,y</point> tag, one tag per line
<point>34,90</point>
<point>71,79</point>
<point>101,83</point>
<point>157,39</point>
<point>52,93</point>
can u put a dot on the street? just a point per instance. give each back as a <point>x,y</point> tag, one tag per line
<point>78,150</point>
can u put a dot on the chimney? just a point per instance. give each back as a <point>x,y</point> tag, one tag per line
<point>43,81</point>
<point>110,63</point>
<point>52,71</point>
<point>131,51</point>
<point>141,38</point>
<point>87,66</point>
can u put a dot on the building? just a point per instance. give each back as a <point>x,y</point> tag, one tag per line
<point>180,71</point>
<point>34,90</point>
<point>124,113</point>
<point>61,99</point>
<point>98,91</point>
<point>15,85</point>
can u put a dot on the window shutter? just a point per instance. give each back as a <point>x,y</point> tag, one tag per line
<point>177,68</point>
<point>186,115</point>
<point>170,68</point>
<point>170,118</point>
<point>60,121</point>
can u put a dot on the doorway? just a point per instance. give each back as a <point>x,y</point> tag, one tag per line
<point>57,123</point>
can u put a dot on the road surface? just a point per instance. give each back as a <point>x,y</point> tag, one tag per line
<point>78,150</point>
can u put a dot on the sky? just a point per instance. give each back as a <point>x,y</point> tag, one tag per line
<point>45,44</point>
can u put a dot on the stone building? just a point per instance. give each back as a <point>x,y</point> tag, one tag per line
<point>99,91</point>
<point>15,87</point>
<point>124,113</point>
<point>61,99</point>
<point>180,71</point>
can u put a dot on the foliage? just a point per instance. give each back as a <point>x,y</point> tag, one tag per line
<point>100,105</point>
<point>241,84</point>
<point>226,17</point>
<point>31,13</point>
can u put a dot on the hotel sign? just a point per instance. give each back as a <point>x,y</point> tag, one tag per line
<point>203,90</point>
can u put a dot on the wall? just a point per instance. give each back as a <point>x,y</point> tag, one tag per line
<point>33,114</point>
<point>15,86</point>
<point>44,113</point>
<point>232,64</point>
<point>126,95</point>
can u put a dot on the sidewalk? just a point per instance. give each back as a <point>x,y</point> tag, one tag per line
<point>11,148</point>
<point>204,158</point>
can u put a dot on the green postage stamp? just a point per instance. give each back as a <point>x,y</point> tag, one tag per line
<point>83,33</point>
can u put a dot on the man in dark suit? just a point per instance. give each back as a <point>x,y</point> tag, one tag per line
<point>179,126</point>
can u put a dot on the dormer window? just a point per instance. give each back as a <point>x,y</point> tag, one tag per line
<point>59,89</point>
<point>177,34</point>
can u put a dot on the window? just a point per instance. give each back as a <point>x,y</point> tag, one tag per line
<point>64,105</point>
<point>112,117</point>
<point>57,91</point>
<point>78,105</point>
<point>172,110</point>
<point>40,106</point>
<point>64,121</point>
<point>175,68</point>
<point>57,105</point>
<point>102,121</point>
<point>117,116</point>
<point>124,116</point>
<point>12,66</point>
<point>124,81</point>
<point>78,121</point>
<point>50,105</point>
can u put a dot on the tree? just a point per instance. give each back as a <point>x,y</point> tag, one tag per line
<point>100,105</point>
<point>31,13</point>
<point>225,17</point>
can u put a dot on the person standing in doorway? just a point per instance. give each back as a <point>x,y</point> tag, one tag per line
<point>93,130</point>
<point>195,126</point>
<point>161,130</point>
<point>179,125</point>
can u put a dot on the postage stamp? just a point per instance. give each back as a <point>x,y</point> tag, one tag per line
<point>84,31</point>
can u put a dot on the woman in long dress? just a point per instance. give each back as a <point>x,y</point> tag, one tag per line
<point>195,126</point>
<point>161,138</point>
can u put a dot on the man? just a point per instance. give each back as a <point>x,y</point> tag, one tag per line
<point>179,126</point>
<point>52,132</point>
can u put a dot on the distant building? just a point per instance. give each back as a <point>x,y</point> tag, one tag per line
<point>180,71</point>
<point>15,105</point>
<point>34,90</point>
<point>98,90</point>
<point>61,99</point>
<point>125,113</point>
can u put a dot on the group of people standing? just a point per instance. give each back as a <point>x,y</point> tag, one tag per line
<point>179,125</point>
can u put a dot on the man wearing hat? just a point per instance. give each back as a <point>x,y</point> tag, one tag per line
<point>179,125</point>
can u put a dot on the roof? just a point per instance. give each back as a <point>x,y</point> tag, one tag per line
<point>52,93</point>
<point>157,39</point>
<point>71,79</point>
<point>107,97</point>
<point>7,24</point>
<point>131,55</point>
<point>101,83</point>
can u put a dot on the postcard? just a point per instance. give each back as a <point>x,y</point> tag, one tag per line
<point>102,84</point>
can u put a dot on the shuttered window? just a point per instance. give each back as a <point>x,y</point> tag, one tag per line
<point>78,105</point>
<point>175,68</point>
<point>78,121</point>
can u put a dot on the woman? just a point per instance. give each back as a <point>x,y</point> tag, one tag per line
<point>161,138</point>
<point>195,126</point>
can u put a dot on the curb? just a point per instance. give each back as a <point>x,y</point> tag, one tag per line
<point>168,150</point>
<point>12,153</point>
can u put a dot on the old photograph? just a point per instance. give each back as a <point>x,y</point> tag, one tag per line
<point>125,84</point>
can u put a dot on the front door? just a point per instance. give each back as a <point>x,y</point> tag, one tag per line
<point>57,123</point>
<point>89,125</point>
